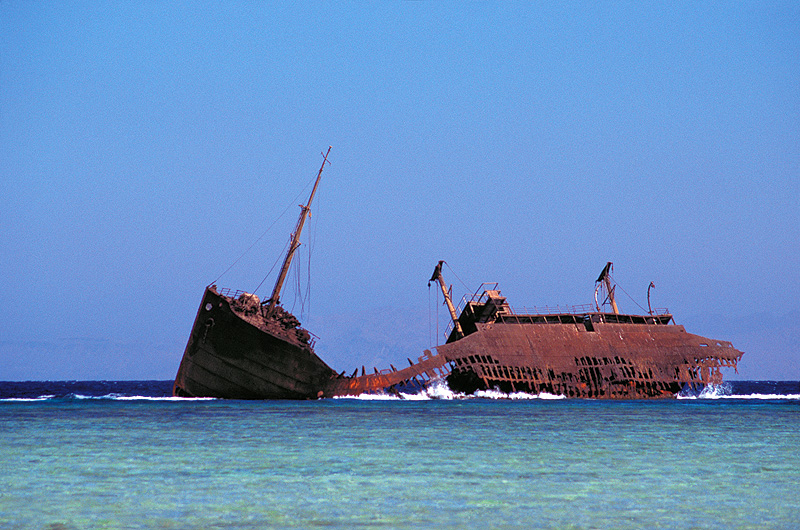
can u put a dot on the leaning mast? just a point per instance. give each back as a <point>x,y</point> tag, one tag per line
<point>606,280</point>
<point>437,277</point>
<point>295,243</point>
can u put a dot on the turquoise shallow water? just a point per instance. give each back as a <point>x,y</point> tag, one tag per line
<point>678,464</point>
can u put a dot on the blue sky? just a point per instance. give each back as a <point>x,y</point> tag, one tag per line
<point>144,146</point>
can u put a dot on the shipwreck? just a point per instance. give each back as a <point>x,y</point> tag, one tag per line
<point>242,348</point>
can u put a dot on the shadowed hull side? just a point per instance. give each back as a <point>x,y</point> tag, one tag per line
<point>228,357</point>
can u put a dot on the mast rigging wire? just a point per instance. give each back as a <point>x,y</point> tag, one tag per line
<point>275,264</point>
<point>626,292</point>
<point>262,237</point>
<point>466,289</point>
<point>430,318</point>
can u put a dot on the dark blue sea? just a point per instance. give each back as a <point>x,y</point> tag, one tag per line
<point>86,455</point>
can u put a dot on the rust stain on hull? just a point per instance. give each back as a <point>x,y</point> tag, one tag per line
<point>616,361</point>
<point>581,354</point>
<point>613,361</point>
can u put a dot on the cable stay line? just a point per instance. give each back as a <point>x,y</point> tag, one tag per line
<point>277,260</point>
<point>466,289</point>
<point>626,292</point>
<point>280,216</point>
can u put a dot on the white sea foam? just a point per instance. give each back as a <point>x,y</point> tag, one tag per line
<point>708,392</point>
<point>382,396</point>
<point>160,398</point>
<point>490,394</point>
<point>438,389</point>
<point>716,391</point>
<point>545,395</point>
<point>112,397</point>
<point>442,391</point>
<point>725,391</point>
<point>742,396</point>
<point>107,396</point>
<point>40,398</point>
<point>371,397</point>
<point>497,394</point>
<point>764,396</point>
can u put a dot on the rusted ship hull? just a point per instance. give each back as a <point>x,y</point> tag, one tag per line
<point>582,354</point>
<point>614,360</point>
<point>231,355</point>
<point>417,376</point>
<point>240,348</point>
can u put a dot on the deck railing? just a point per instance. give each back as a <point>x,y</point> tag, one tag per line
<point>550,314</point>
<point>230,293</point>
<point>580,309</point>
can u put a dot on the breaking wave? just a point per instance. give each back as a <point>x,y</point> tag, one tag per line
<point>156,391</point>
<point>18,399</point>
<point>726,391</point>
<point>120,397</point>
<point>741,390</point>
<point>438,390</point>
<point>107,397</point>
